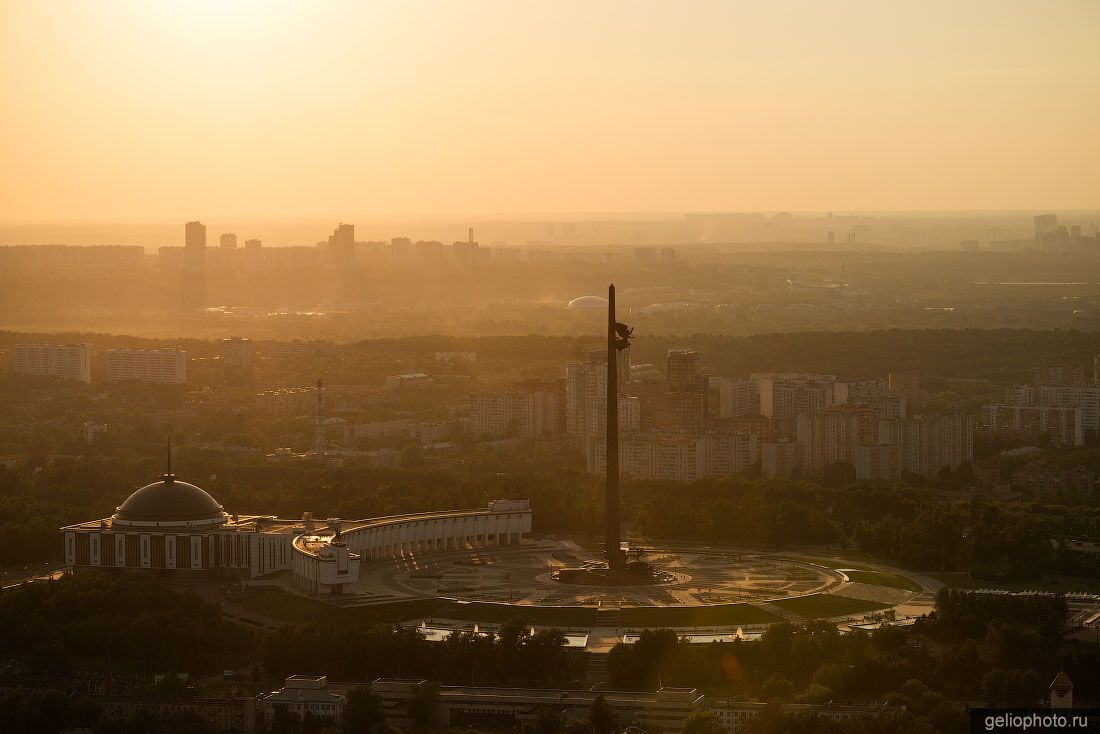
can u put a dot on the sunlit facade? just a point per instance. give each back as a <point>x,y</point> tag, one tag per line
<point>173,527</point>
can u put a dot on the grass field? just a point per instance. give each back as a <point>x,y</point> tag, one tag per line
<point>279,604</point>
<point>709,616</point>
<point>829,562</point>
<point>819,606</point>
<point>1064,584</point>
<point>880,578</point>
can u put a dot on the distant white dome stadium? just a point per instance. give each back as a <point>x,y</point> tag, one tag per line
<point>586,302</point>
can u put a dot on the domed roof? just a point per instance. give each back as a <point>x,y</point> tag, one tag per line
<point>169,500</point>
<point>588,302</point>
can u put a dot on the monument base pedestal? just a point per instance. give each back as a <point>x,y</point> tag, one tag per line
<point>634,573</point>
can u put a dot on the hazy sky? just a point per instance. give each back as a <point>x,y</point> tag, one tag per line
<point>201,108</point>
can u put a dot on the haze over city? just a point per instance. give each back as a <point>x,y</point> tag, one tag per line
<point>178,108</point>
<point>564,368</point>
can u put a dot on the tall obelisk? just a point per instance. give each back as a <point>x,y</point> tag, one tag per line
<point>612,548</point>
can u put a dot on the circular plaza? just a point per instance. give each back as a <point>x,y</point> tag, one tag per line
<point>697,587</point>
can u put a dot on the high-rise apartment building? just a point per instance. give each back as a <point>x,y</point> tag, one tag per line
<point>785,397</point>
<point>1086,399</point>
<point>228,241</point>
<point>1060,424</point>
<point>1046,226</point>
<point>848,427</point>
<point>738,398</point>
<point>162,366</point>
<point>863,392</point>
<point>401,251</point>
<point>528,413</point>
<point>1059,374</point>
<point>341,246</point>
<point>253,255</point>
<point>928,444</point>
<point>781,458</point>
<point>676,456</point>
<point>430,252</point>
<point>237,353</point>
<point>585,385</point>
<point>194,243</point>
<point>67,361</point>
<point>836,434</point>
<point>681,370</point>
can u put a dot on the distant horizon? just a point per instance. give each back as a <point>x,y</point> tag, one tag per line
<point>891,229</point>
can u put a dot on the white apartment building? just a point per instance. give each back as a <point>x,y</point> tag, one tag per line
<point>878,461</point>
<point>67,361</point>
<point>781,458</point>
<point>786,396</point>
<point>681,457</point>
<point>930,443</point>
<point>1063,424</point>
<point>1085,399</point>
<point>162,366</point>
<point>737,397</point>
<point>530,414</point>
<point>595,416</point>
<point>586,394</point>
<point>859,391</point>
<point>585,386</point>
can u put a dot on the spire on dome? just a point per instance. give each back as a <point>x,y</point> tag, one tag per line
<point>168,475</point>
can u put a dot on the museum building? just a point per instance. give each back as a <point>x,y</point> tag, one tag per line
<point>178,529</point>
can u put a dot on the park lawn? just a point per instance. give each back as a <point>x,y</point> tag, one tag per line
<point>881,578</point>
<point>717,615</point>
<point>828,562</point>
<point>279,604</point>
<point>819,606</point>
<point>1063,584</point>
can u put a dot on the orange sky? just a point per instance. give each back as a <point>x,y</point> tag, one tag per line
<point>203,108</point>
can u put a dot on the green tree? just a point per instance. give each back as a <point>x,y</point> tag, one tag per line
<point>577,726</point>
<point>362,712</point>
<point>601,716</point>
<point>704,722</point>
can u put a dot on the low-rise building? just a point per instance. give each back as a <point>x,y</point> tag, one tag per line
<point>229,715</point>
<point>288,401</point>
<point>93,430</point>
<point>405,380</point>
<point>455,357</point>
<point>1041,480</point>
<point>304,695</point>
<point>456,707</point>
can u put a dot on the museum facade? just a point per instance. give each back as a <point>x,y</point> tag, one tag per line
<point>176,528</point>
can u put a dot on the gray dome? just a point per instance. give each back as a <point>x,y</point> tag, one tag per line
<point>170,500</point>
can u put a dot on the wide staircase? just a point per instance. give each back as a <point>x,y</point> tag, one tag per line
<point>596,671</point>
<point>608,616</point>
